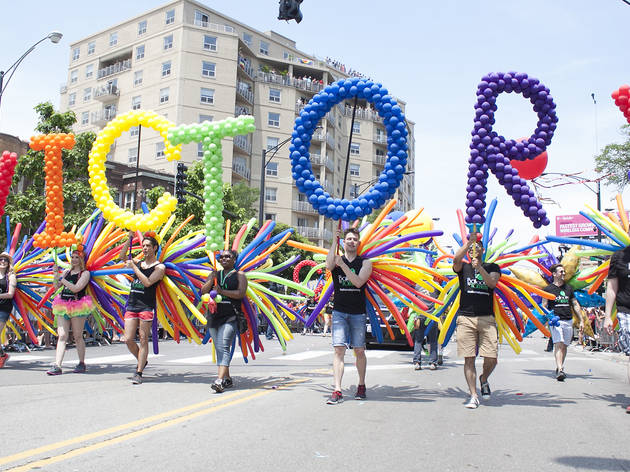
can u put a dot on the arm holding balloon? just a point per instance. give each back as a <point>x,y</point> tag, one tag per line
<point>237,294</point>
<point>490,278</point>
<point>331,257</point>
<point>209,283</point>
<point>458,259</point>
<point>611,295</point>
<point>156,276</point>
<point>578,311</point>
<point>126,246</point>
<point>360,279</point>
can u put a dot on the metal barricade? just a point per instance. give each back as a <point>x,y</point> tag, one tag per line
<point>605,341</point>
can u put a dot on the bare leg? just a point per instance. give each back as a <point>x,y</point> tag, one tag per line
<point>224,372</point>
<point>489,363</point>
<point>77,331</point>
<point>560,354</point>
<point>471,375</point>
<point>130,336</point>
<point>143,352</point>
<point>338,366</point>
<point>63,327</point>
<point>2,325</point>
<point>361,363</point>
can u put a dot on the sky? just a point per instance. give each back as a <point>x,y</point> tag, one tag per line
<point>431,54</point>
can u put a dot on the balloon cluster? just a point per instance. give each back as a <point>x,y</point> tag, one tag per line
<point>98,180</point>
<point>388,180</point>
<point>8,161</point>
<point>300,266</point>
<point>54,235</point>
<point>622,100</point>
<point>490,151</point>
<point>210,135</point>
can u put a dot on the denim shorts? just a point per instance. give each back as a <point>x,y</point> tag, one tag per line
<point>4,316</point>
<point>223,338</point>
<point>348,329</point>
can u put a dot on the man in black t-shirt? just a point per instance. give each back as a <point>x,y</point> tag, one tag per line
<point>618,291</point>
<point>562,332</point>
<point>476,327</point>
<point>350,274</point>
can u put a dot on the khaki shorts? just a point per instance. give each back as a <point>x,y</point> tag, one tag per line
<point>477,331</point>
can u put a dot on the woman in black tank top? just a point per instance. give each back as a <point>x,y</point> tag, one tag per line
<point>147,274</point>
<point>71,306</point>
<point>8,282</point>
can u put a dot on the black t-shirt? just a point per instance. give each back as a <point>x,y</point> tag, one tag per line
<point>476,297</point>
<point>6,304</point>
<point>66,293</point>
<point>348,298</point>
<point>620,270</point>
<point>142,298</point>
<point>561,306</point>
<point>228,308</point>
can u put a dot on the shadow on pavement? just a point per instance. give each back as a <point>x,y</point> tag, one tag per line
<point>618,400</point>
<point>594,463</point>
<point>552,375</point>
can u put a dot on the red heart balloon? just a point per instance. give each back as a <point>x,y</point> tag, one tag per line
<point>621,98</point>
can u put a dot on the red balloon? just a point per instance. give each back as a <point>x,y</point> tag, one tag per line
<point>531,168</point>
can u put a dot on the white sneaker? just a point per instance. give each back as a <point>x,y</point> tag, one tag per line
<point>472,403</point>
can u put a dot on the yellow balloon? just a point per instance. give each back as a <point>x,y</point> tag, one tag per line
<point>423,222</point>
<point>98,181</point>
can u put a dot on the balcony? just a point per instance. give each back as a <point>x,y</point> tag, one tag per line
<point>241,170</point>
<point>245,92</point>
<point>299,107</point>
<point>327,235</point>
<point>114,69</point>
<point>308,85</point>
<point>367,114</point>
<point>242,143</point>
<point>379,160</point>
<point>329,163</point>
<point>328,187</point>
<point>244,65</point>
<point>316,159</point>
<point>63,88</point>
<point>330,140</point>
<point>309,232</point>
<point>380,138</point>
<point>241,110</point>
<point>303,207</point>
<point>102,117</point>
<point>215,27</point>
<point>106,93</point>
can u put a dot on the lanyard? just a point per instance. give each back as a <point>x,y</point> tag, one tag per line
<point>223,276</point>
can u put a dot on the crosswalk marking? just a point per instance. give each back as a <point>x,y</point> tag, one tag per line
<point>27,357</point>
<point>377,354</point>
<point>113,359</point>
<point>302,356</point>
<point>193,360</point>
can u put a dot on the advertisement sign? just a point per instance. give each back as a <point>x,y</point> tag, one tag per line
<point>571,226</point>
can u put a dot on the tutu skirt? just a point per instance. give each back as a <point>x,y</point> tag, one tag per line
<point>73,308</point>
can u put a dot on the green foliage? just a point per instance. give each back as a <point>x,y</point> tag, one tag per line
<point>615,160</point>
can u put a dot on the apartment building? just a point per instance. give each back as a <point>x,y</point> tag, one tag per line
<point>190,63</point>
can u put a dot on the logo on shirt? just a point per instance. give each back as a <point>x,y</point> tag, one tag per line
<point>345,283</point>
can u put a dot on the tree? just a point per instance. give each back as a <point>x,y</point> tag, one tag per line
<point>615,160</point>
<point>29,206</point>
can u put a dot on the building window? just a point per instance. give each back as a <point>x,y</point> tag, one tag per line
<point>274,95</point>
<point>113,39</point>
<point>208,69</point>
<point>207,96</point>
<point>72,99</point>
<point>272,142</point>
<point>356,127</point>
<point>264,48</point>
<point>272,169</point>
<point>91,47</point>
<point>85,118</point>
<point>166,68</point>
<point>247,39</point>
<point>199,149</point>
<point>136,102</point>
<point>168,42</point>
<point>201,19</point>
<point>142,27</point>
<point>164,95</point>
<point>209,43</point>
<point>355,149</point>
<point>132,155</point>
<point>74,76</point>
<point>271,194</point>
<point>137,78</point>
<point>134,131</point>
<point>355,170</point>
<point>128,202</point>
<point>203,118</point>
<point>89,71</point>
<point>139,52</point>
<point>170,17</point>
<point>87,94</point>
<point>159,150</point>
<point>270,216</point>
<point>273,119</point>
<point>76,53</point>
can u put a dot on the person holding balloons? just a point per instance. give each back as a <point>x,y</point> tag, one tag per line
<point>476,326</point>
<point>8,282</point>
<point>147,274</point>
<point>71,307</point>
<point>228,288</point>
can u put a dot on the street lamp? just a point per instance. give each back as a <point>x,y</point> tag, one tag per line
<point>54,36</point>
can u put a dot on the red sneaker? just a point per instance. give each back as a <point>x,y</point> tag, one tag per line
<point>3,359</point>
<point>335,398</point>
<point>360,395</point>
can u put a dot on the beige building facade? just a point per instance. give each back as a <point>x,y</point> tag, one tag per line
<point>190,63</point>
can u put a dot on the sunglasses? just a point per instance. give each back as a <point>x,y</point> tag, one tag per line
<point>6,261</point>
<point>225,256</point>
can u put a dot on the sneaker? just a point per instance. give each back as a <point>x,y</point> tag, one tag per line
<point>485,388</point>
<point>80,368</point>
<point>3,359</point>
<point>417,366</point>
<point>560,375</point>
<point>227,382</point>
<point>433,366</point>
<point>472,403</point>
<point>335,398</point>
<point>628,410</point>
<point>54,370</point>
<point>136,379</point>
<point>440,359</point>
<point>218,386</point>
<point>360,395</point>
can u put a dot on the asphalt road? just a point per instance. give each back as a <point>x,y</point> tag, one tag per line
<point>276,417</point>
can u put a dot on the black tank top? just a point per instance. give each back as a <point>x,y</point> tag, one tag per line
<point>6,304</point>
<point>66,293</point>
<point>142,298</point>
<point>348,298</point>
<point>227,308</point>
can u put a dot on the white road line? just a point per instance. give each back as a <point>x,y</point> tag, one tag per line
<point>302,356</point>
<point>27,357</point>
<point>377,354</point>
<point>113,359</point>
<point>207,359</point>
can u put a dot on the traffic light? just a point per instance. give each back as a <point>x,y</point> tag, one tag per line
<point>180,182</point>
<point>290,10</point>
